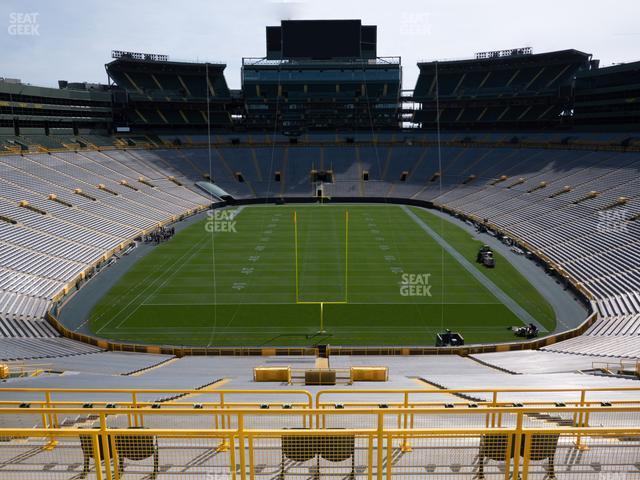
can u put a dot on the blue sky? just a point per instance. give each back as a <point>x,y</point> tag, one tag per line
<point>75,37</point>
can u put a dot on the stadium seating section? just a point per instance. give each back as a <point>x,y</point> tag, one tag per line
<point>62,217</point>
<point>63,213</point>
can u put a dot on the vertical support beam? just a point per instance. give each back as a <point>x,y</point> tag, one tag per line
<point>47,404</point>
<point>579,419</point>
<point>116,460</point>
<point>252,473</point>
<point>241,445</point>
<point>106,454</point>
<point>370,458</point>
<point>517,446</point>
<point>527,456</point>
<point>389,455</point>
<point>52,420</point>
<point>226,422</point>
<point>134,403</point>
<point>232,455</point>
<point>406,447</point>
<point>491,417</point>
<point>96,456</point>
<point>380,445</point>
<point>507,458</point>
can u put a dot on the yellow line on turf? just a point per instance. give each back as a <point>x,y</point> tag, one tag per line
<point>346,269</point>
<point>346,263</point>
<point>339,302</point>
<point>295,232</point>
<point>346,255</point>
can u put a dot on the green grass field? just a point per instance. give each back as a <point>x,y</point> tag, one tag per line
<point>239,287</point>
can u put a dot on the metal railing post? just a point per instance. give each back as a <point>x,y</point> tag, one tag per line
<point>134,406</point>
<point>222,416</point>
<point>494,402</point>
<point>96,456</point>
<point>380,445</point>
<point>581,419</point>
<point>106,444</point>
<point>116,460</point>
<point>52,419</point>
<point>223,446</point>
<point>389,455</point>
<point>232,456</point>
<point>252,472</point>
<point>406,447</point>
<point>517,446</point>
<point>370,458</point>
<point>526,458</point>
<point>241,446</point>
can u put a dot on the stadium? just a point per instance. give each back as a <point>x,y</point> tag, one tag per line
<point>326,273</point>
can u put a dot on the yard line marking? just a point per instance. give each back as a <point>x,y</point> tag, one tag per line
<point>144,289</point>
<point>123,296</point>
<point>152,284</point>
<point>190,303</point>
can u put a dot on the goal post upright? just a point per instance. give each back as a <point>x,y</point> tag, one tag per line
<point>295,242</point>
<point>321,303</point>
<point>346,255</point>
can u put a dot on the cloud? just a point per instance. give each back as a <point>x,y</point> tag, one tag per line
<point>77,36</point>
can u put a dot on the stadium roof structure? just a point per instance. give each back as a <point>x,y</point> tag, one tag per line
<point>322,75</point>
<point>124,70</point>
<point>162,94</point>
<point>511,60</point>
<point>303,85</point>
<point>608,96</point>
<point>33,106</point>
<point>518,91</point>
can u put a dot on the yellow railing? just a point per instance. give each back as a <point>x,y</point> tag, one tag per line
<point>132,401</point>
<point>622,367</point>
<point>324,398</point>
<point>134,404</point>
<point>423,397</point>
<point>348,443</point>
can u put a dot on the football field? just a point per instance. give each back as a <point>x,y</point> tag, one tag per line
<point>306,274</point>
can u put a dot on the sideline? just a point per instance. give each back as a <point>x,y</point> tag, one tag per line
<point>74,312</point>
<point>511,304</point>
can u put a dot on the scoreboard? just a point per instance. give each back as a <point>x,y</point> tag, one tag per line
<point>321,40</point>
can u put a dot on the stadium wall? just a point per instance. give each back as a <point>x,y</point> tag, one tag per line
<point>181,351</point>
